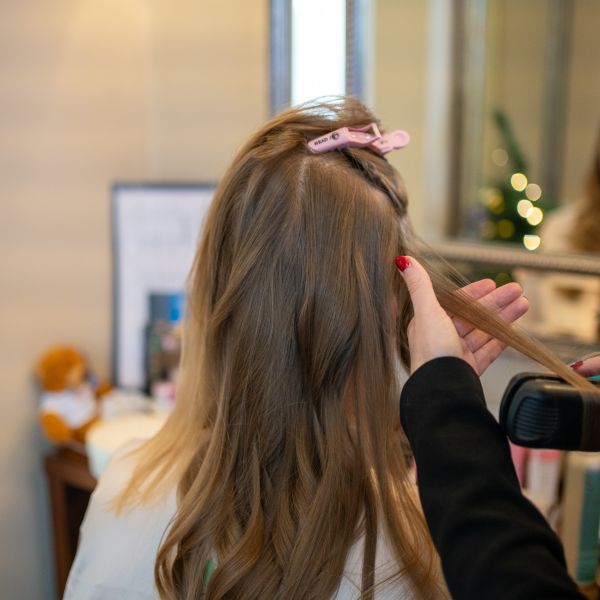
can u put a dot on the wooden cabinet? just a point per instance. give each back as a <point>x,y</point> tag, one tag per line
<point>70,485</point>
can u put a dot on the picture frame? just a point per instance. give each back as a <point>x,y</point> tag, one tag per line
<point>155,233</point>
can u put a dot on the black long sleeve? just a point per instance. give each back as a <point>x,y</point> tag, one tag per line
<point>492,541</point>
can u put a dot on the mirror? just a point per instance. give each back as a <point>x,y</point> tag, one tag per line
<point>527,116</point>
<point>504,99</point>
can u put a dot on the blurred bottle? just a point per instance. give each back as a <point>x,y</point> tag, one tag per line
<point>520,457</point>
<point>581,515</point>
<point>542,480</point>
<point>163,346</point>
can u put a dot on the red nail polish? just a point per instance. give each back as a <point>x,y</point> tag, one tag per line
<point>576,365</point>
<point>402,262</point>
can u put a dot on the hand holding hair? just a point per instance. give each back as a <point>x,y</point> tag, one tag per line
<point>433,333</point>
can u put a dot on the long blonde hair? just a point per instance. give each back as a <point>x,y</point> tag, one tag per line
<point>284,444</point>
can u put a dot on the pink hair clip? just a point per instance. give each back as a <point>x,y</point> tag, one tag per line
<point>360,137</point>
<point>391,141</point>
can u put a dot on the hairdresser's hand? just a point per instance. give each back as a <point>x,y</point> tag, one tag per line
<point>588,367</point>
<point>432,333</point>
<point>509,303</point>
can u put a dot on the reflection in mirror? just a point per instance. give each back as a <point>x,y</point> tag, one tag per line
<point>527,160</point>
<point>528,118</point>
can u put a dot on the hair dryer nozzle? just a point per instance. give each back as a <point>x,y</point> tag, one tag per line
<point>539,410</point>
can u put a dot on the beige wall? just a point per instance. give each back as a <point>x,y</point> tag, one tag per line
<point>411,70</point>
<point>90,93</point>
<point>399,81</point>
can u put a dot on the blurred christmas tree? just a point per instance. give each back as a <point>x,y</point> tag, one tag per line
<point>513,207</point>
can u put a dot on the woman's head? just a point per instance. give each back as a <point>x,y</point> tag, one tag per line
<point>296,270</point>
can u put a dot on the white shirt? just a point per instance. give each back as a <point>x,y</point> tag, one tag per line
<point>116,553</point>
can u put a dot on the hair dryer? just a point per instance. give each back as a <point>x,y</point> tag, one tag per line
<point>540,410</point>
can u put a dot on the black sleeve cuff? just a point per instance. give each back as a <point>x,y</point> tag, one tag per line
<point>439,381</point>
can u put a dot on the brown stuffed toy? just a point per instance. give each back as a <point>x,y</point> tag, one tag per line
<point>68,402</point>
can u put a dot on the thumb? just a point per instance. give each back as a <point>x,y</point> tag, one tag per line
<point>432,333</point>
<point>419,285</point>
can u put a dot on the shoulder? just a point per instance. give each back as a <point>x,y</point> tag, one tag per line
<point>116,552</point>
<point>117,472</point>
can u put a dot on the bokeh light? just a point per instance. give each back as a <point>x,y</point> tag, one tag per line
<point>500,157</point>
<point>523,207</point>
<point>492,198</point>
<point>531,242</point>
<point>487,229</point>
<point>518,181</point>
<point>533,191</point>
<point>535,216</point>
<point>506,228</point>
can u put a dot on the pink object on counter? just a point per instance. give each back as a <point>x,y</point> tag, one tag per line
<point>520,456</point>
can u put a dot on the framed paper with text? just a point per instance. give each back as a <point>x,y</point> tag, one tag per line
<point>156,229</point>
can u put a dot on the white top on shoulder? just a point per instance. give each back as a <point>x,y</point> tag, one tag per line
<point>116,554</point>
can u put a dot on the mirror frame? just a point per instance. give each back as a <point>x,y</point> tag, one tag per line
<point>358,23</point>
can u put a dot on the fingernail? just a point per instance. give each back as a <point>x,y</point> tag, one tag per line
<point>402,262</point>
<point>576,365</point>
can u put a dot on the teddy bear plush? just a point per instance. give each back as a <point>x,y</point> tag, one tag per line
<point>68,400</point>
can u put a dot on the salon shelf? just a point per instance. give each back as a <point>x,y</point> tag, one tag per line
<point>514,256</point>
